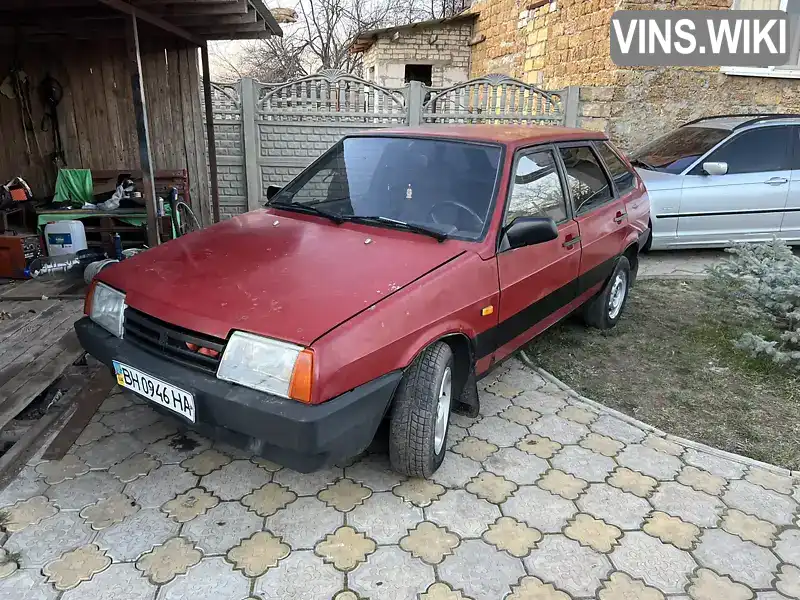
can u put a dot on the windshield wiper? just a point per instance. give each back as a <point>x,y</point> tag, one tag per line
<point>637,162</point>
<point>378,220</point>
<point>307,208</point>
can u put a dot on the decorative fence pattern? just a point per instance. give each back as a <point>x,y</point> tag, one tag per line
<point>267,133</point>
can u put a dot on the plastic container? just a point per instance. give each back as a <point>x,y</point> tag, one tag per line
<point>64,237</point>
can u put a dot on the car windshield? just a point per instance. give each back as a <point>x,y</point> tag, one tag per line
<point>674,152</point>
<point>441,186</point>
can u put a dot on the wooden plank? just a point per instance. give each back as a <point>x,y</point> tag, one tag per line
<point>148,17</point>
<point>212,146</point>
<point>21,315</point>
<point>142,128</point>
<point>190,144</point>
<point>40,287</point>
<point>112,102</point>
<point>91,396</point>
<point>229,19</point>
<point>20,391</point>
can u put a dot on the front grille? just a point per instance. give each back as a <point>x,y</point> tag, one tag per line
<point>170,341</point>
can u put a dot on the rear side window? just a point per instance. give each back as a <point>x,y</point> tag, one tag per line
<point>623,177</point>
<point>586,179</point>
<point>536,189</point>
<point>756,151</point>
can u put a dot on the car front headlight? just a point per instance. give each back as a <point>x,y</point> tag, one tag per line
<point>268,365</point>
<point>106,307</point>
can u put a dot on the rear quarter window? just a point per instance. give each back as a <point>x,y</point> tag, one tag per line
<point>624,178</point>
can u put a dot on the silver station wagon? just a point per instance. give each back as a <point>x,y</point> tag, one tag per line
<point>725,179</point>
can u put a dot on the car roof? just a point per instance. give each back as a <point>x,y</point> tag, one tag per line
<point>732,122</point>
<point>500,134</point>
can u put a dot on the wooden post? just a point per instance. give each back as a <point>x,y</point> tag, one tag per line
<point>250,146</point>
<point>142,129</point>
<point>212,144</point>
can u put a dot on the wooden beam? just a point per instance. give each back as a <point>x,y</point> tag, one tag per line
<point>245,35</point>
<point>212,144</point>
<point>226,8</point>
<point>231,29</point>
<point>152,19</point>
<point>142,129</point>
<point>184,2</point>
<point>205,20</point>
<point>267,15</point>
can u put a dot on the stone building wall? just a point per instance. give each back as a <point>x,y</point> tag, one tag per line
<point>445,47</point>
<point>503,48</point>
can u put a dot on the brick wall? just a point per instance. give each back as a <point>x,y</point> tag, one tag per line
<point>503,50</point>
<point>444,47</point>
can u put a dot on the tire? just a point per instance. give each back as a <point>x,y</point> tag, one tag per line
<point>416,444</point>
<point>605,309</point>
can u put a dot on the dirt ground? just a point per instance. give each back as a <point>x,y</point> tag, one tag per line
<point>671,363</point>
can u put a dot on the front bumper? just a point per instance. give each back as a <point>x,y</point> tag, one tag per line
<point>302,437</point>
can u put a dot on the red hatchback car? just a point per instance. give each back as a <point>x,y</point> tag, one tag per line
<point>378,284</point>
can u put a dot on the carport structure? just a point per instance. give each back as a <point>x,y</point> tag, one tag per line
<point>129,79</point>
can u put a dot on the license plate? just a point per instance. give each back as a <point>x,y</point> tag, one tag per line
<point>155,390</point>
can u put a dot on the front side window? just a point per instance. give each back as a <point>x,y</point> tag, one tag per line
<point>755,151</point>
<point>444,185</point>
<point>586,179</point>
<point>536,189</point>
<point>678,150</point>
<point>624,179</point>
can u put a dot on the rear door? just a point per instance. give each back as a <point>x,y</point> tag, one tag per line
<point>748,202</point>
<point>536,282</point>
<point>790,226</point>
<point>626,187</point>
<point>600,215</point>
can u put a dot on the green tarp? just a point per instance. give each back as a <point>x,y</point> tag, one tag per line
<point>74,186</point>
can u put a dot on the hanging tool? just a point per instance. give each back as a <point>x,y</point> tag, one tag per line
<point>52,92</point>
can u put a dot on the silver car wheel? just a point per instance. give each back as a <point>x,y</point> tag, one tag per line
<point>617,296</point>
<point>443,410</point>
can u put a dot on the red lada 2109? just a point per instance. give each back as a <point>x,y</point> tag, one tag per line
<point>378,285</point>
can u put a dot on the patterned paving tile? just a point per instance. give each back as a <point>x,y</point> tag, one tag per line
<point>480,570</point>
<point>743,561</point>
<point>134,467</point>
<point>476,449</point>
<point>559,430</point>
<point>258,553</point>
<point>456,471</point>
<point>516,465</point>
<point>564,484</point>
<point>707,585</point>
<point>222,527</point>
<point>128,540</point>
<point>688,504</point>
<point>602,444</point>
<point>492,404</point>
<point>117,582</point>
<point>765,504</point>
<point>235,480</point>
<point>540,509</point>
<point>651,462</point>
<point>501,432</point>
<point>26,584</point>
<point>440,591</point>
<point>577,414</point>
<point>769,480</point>
<point>512,536</point>
<point>702,481</point>
<point>344,495</point>
<point>589,466</point>
<point>533,588</point>
<point>74,494</point>
<point>614,506</point>
<point>632,481</point>
<point>663,445</point>
<point>660,565</point>
<point>345,548</point>
<point>26,513</point>
<point>750,528</point>
<point>621,586</point>
<point>45,542</point>
<point>575,569</point>
<point>211,578</point>
<point>594,533</point>
<point>520,415</point>
<point>109,450</point>
<point>788,546</point>
<point>27,484</point>
<point>130,419</point>
<point>537,445</point>
<point>494,488</point>
<point>391,569</point>
<point>617,429</point>
<point>56,471</point>
<point>542,402</point>
<point>429,542</point>
<point>269,499</point>
<point>301,575</point>
<point>75,566</point>
<point>174,449</point>
<point>714,464</point>
<point>109,511</point>
<point>206,462</point>
<point>373,471</point>
<point>160,486</point>
<point>462,513</point>
<point>308,484</point>
<point>672,530</point>
<point>164,562</point>
<point>304,522</point>
<point>788,582</point>
<point>159,430</point>
<point>385,518</point>
<point>192,503</point>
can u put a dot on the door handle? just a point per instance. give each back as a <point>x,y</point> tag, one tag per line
<point>619,217</point>
<point>569,242</point>
<point>776,181</point>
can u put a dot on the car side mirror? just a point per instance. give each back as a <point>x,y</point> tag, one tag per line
<point>527,231</point>
<point>272,190</point>
<point>715,168</point>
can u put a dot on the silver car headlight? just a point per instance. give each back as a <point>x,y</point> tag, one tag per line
<point>267,365</point>
<point>108,308</point>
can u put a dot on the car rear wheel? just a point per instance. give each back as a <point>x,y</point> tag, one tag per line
<point>421,413</point>
<point>606,308</point>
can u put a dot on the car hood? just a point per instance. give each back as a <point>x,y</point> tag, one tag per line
<point>277,274</point>
<point>658,180</point>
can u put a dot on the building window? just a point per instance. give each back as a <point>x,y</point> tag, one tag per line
<point>421,73</point>
<point>789,70</point>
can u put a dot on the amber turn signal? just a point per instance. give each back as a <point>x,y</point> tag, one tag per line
<point>87,302</point>
<point>302,377</point>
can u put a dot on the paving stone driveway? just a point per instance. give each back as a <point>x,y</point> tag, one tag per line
<point>542,497</point>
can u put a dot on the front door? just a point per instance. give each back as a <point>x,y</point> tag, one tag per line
<point>600,215</point>
<point>536,282</point>
<point>748,202</point>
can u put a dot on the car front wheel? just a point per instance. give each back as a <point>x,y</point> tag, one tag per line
<point>605,309</point>
<point>421,413</point>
